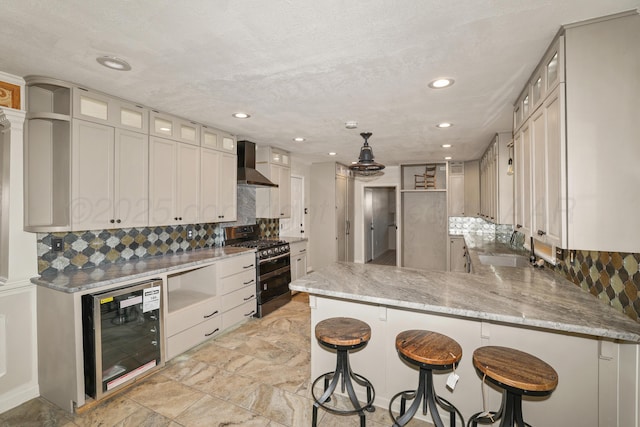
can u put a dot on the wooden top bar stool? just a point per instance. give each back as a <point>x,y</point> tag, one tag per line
<point>429,351</point>
<point>517,373</point>
<point>343,334</point>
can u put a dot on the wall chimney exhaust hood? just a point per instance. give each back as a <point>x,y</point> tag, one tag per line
<point>247,173</point>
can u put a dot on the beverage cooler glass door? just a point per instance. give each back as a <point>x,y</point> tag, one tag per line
<point>123,336</point>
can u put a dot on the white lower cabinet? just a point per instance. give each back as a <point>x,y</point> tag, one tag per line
<point>204,301</point>
<point>237,279</point>
<point>238,314</point>
<point>298,259</point>
<point>183,341</point>
<point>457,254</point>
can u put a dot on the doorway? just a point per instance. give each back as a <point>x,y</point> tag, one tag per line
<point>380,225</point>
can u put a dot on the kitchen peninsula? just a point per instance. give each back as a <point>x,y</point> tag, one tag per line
<point>594,349</point>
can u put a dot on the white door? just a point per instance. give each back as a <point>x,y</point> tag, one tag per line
<point>295,225</point>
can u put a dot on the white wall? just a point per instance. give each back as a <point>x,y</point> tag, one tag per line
<point>18,343</point>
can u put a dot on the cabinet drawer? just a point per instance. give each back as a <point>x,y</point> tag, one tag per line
<point>238,314</point>
<point>298,248</point>
<point>192,315</point>
<point>238,297</point>
<point>237,281</point>
<point>237,264</point>
<point>191,337</point>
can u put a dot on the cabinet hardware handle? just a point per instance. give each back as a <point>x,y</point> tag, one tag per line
<point>247,266</point>
<point>299,259</point>
<point>251,313</point>
<point>180,218</point>
<point>518,225</point>
<point>211,333</point>
<point>246,283</point>
<point>541,233</point>
<point>303,250</point>
<point>248,298</point>
<point>206,316</point>
<point>118,221</point>
<point>111,221</point>
<point>175,218</point>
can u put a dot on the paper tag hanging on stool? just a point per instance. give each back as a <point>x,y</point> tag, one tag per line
<point>453,377</point>
<point>452,380</point>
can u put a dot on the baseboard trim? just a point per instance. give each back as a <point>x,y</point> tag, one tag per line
<point>18,396</point>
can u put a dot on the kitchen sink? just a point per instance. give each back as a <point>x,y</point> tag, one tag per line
<point>504,260</point>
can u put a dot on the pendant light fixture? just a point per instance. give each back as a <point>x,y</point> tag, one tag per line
<point>365,165</point>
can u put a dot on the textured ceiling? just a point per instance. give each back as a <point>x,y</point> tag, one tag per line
<point>305,67</point>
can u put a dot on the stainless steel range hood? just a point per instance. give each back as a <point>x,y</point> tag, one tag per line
<point>247,173</point>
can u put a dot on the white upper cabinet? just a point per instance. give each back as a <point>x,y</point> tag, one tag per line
<point>218,186</point>
<point>168,126</point>
<point>174,182</point>
<point>496,186</point>
<point>455,189</point>
<point>111,193</point>
<point>217,140</point>
<point>273,202</point>
<point>584,141</point>
<point>100,108</point>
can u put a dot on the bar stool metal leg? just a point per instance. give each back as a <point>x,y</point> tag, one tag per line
<point>344,375</point>
<point>425,394</point>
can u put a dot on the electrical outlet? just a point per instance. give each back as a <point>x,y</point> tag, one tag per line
<point>189,233</point>
<point>56,244</point>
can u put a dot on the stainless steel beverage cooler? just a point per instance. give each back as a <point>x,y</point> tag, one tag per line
<point>122,336</point>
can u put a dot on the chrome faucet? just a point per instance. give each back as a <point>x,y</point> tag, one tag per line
<point>532,255</point>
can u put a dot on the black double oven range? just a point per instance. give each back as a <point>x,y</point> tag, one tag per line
<point>273,272</point>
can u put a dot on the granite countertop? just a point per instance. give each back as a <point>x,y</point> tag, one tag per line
<point>80,280</point>
<point>514,295</point>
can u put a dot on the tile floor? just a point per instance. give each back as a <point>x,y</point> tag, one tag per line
<point>255,375</point>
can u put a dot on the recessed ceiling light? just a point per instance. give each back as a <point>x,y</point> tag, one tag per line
<point>240,115</point>
<point>444,125</point>
<point>299,139</point>
<point>351,125</point>
<point>441,83</point>
<point>448,158</point>
<point>332,153</point>
<point>446,145</point>
<point>114,63</point>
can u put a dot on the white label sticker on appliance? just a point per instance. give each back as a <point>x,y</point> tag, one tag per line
<point>130,301</point>
<point>150,299</point>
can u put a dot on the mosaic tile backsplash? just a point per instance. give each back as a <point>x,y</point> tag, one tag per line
<point>87,249</point>
<point>459,225</point>
<point>614,277</point>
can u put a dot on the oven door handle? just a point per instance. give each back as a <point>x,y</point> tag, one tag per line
<point>263,261</point>
<point>274,273</point>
